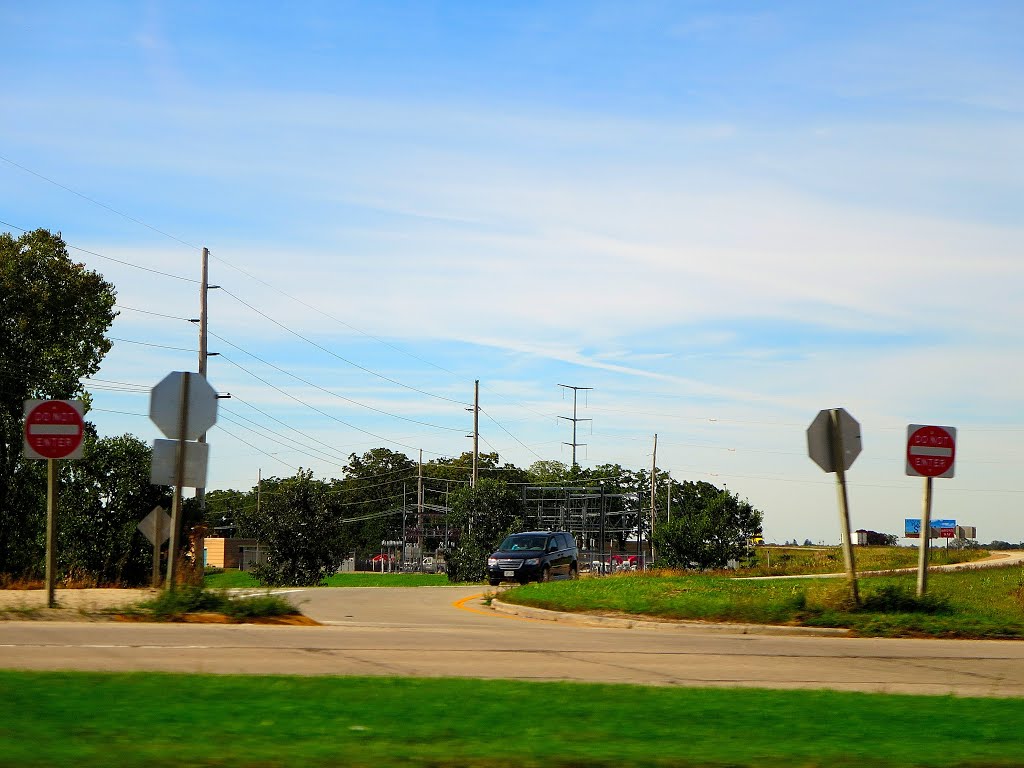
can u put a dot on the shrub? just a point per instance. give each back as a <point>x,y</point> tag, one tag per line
<point>186,599</point>
<point>172,605</point>
<point>258,605</point>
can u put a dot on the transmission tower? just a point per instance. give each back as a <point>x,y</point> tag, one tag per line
<point>573,419</point>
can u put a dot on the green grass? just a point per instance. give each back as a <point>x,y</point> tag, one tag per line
<point>363,579</point>
<point>242,579</point>
<point>229,580</point>
<point>788,561</point>
<point>161,720</point>
<point>983,603</point>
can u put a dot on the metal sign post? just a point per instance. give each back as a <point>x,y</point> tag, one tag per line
<point>931,452</point>
<point>184,406</point>
<point>51,532</point>
<point>53,430</point>
<point>836,436</point>
<point>156,526</point>
<point>172,547</point>
<point>926,535</point>
<point>833,442</point>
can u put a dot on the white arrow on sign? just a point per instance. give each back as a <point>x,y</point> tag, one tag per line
<point>165,404</point>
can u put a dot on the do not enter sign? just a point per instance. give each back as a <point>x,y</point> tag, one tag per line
<point>53,429</point>
<point>931,451</point>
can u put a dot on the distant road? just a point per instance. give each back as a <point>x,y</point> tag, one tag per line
<point>997,559</point>
<point>423,632</point>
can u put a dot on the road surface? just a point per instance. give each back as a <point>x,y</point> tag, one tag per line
<point>436,631</point>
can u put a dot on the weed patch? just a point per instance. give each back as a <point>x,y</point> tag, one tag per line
<point>173,606</point>
<point>892,598</point>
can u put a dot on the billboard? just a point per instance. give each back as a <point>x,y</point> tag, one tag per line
<point>941,529</point>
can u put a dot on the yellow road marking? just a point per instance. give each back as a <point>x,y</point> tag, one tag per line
<point>461,605</point>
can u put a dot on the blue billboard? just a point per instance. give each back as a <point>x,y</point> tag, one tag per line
<point>944,529</point>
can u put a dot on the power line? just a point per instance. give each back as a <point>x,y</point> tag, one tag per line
<point>148,312</point>
<point>332,317</point>
<point>335,394</point>
<point>95,202</point>
<point>109,258</point>
<point>502,428</point>
<point>292,445</point>
<point>282,423</point>
<point>314,408</point>
<point>336,355</point>
<point>366,334</point>
<point>123,413</point>
<point>151,344</point>
<point>258,450</point>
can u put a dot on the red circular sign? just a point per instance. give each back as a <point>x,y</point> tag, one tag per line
<point>53,429</point>
<point>931,451</point>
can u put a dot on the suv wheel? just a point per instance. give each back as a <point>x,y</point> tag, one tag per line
<point>545,575</point>
<point>574,572</point>
<point>493,582</point>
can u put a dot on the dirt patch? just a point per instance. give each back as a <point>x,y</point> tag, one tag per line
<point>292,620</point>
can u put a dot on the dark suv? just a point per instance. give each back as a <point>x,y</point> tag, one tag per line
<point>534,556</point>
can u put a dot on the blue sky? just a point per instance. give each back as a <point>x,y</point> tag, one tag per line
<point>723,217</point>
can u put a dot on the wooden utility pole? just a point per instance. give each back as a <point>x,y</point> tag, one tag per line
<point>419,508</point>
<point>654,488</point>
<point>204,288</point>
<point>476,430</point>
<point>259,493</point>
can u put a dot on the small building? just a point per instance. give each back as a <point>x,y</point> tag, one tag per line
<point>229,553</point>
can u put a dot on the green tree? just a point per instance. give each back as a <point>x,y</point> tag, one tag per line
<point>54,314</point>
<point>371,494</point>
<point>709,527</point>
<point>549,472</point>
<point>222,507</point>
<point>103,498</point>
<point>461,469</point>
<point>482,517</point>
<point>300,527</point>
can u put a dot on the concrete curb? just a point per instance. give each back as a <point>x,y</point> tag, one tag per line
<point>592,620</point>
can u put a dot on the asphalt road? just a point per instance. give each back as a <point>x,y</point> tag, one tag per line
<point>433,631</point>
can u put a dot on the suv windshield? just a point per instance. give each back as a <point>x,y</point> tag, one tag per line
<point>522,541</point>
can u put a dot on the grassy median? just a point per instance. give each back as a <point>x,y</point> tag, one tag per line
<point>983,603</point>
<point>112,720</point>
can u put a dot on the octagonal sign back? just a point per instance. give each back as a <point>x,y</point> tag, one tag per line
<point>165,404</point>
<point>819,443</point>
